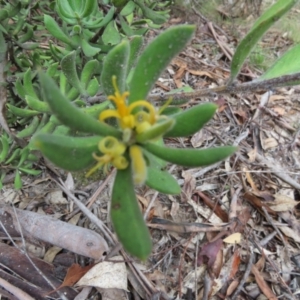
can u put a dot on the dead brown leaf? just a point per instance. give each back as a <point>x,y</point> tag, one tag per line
<point>262,284</point>
<point>209,252</point>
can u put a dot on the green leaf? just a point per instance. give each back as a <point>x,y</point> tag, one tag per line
<point>127,9</point>
<point>37,104</point>
<point>155,131</point>
<point>95,110</point>
<point>56,32</point>
<point>162,181</point>
<point>65,10</point>
<point>127,218</point>
<point>111,35</point>
<point>136,43</point>
<point>115,64</point>
<point>3,47</point>
<point>88,71</point>
<point>30,171</point>
<point>289,63</point>
<point>151,14</point>
<point>22,112</point>
<point>263,23</point>
<point>191,120</point>
<point>93,87</point>
<point>89,50</point>
<point>27,81</point>
<point>18,181</point>
<point>68,66</point>
<point>191,157</point>
<point>89,7</point>
<point>69,153</point>
<point>108,17</point>
<point>70,115</point>
<point>156,57</point>
<point>76,5</point>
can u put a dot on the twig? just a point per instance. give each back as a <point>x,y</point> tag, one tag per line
<point>278,171</point>
<point>88,213</point>
<point>14,290</point>
<point>233,209</point>
<point>224,89</point>
<point>100,188</point>
<point>270,220</point>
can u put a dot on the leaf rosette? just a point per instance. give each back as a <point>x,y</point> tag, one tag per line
<point>129,135</point>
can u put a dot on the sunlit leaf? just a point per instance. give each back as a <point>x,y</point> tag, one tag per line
<point>263,23</point>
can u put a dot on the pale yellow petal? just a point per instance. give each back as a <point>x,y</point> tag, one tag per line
<point>138,164</point>
<point>109,113</point>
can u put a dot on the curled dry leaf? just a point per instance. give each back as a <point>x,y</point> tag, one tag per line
<point>282,203</point>
<point>106,275</point>
<point>64,235</point>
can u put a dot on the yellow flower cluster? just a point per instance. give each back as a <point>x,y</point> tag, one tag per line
<point>113,151</point>
<point>132,120</point>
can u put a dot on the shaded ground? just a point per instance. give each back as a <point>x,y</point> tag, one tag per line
<point>233,232</point>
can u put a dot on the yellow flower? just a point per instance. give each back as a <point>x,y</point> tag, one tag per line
<point>140,121</point>
<point>113,151</point>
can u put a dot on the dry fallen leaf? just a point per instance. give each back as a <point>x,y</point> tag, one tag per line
<point>106,275</point>
<point>269,143</point>
<point>233,238</point>
<point>262,284</point>
<point>208,253</point>
<point>75,272</point>
<point>282,203</point>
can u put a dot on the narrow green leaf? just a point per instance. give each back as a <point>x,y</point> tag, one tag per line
<point>65,10</point>
<point>150,14</point>
<point>27,81</point>
<point>22,112</point>
<point>191,120</point>
<point>115,64</point>
<point>155,59</point>
<point>3,47</point>
<point>30,129</point>
<point>287,64</point>
<point>30,171</point>
<point>88,71</point>
<point>68,66</point>
<point>191,157</point>
<point>264,22</point>
<point>37,104</point>
<point>155,131</point>
<point>89,7</point>
<point>70,115</point>
<point>127,218</point>
<point>69,153</point>
<point>108,17</point>
<point>18,181</point>
<point>56,31</point>
<point>162,181</point>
